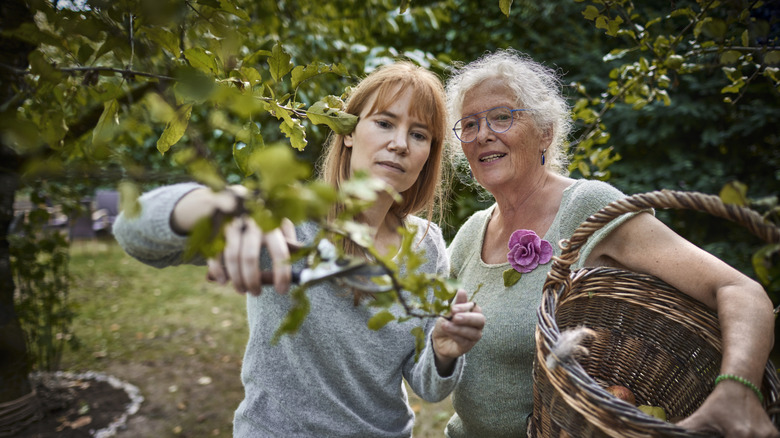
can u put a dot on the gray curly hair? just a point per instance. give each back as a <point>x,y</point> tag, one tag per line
<point>535,86</point>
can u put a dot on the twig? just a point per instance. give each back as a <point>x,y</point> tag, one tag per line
<point>124,72</point>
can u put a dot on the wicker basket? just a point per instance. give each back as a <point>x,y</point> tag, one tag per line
<point>651,338</point>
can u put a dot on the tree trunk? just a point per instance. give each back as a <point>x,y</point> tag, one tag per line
<point>14,359</point>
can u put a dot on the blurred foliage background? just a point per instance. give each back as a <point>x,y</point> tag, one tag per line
<point>132,94</point>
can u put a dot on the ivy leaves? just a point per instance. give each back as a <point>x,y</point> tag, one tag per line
<point>654,51</point>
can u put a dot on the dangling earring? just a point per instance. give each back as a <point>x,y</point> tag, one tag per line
<point>471,173</point>
<point>545,150</point>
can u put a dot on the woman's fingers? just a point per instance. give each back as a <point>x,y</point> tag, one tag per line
<point>276,244</point>
<point>288,230</point>
<point>241,257</point>
<point>216,270</point>
<point>232,254</point>
<point>251,241</point>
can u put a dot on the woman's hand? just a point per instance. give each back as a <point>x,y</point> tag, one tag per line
<point>733,411</point>
<point>239,263</point>
<point>455,337</point>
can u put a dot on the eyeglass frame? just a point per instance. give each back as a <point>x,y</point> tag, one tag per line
<point>487,122</point>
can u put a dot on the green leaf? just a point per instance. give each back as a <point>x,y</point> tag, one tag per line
<point>380,320</point>
<point>590,13</point>
<point>106,124</point>
<point>614,26</point>
<point>296,133</point>
<point>231,8</point>
<point>54,128</point>
<point>206,237</point>
<point>200,168</point>
<point>251,75</point>
<point>277,167</point>
<point>404,6</point>
<point>772,57</point>
<point>128,199</point>
<point>734,193</point>
<point>733,88</point>
<point>84,53</point>
<point>22,135</point>
<point>279,62</point>
<point>248,141</point>
<point>165,38</point>
<point>210,3</point>
<point>302,73</point>
<point>511,276</point>
<point>697,30</point>
<point>174,129</point>
<point>419,341</point>
<point>202,60</point>
<point>340,122</point>
<point>714,27</point>
<point>506,6</point>
<point>601,23</point>
<point>41,67</point>
<point>762,264</point>
<point>30,33</point>
<point>192,85</point>
<point>157,108</point>
<point>584,169</point>
<point>295,316</point>
<point>730,57</point>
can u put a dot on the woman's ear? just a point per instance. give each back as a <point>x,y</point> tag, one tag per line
<point>348,140</point>
<point>547,137</point>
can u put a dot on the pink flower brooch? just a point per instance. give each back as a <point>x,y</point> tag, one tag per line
<point>526,252</point>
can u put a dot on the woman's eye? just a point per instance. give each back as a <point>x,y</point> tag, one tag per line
<point>383,123</point>
<point>419,136</point>
<point>469,124</point>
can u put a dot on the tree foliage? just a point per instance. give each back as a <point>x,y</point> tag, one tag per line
<point>135,93</point>
<point>217,91</point>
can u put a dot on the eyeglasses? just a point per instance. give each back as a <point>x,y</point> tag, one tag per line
<point>499,119</point>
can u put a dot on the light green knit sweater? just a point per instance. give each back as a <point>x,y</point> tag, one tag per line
<point>495,394</point>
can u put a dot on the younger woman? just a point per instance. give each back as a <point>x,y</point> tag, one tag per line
<point>335,377</point>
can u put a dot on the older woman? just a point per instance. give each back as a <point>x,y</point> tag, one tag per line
<point>512,121</point>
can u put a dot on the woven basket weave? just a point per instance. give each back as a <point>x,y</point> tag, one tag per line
<point>651,338</point>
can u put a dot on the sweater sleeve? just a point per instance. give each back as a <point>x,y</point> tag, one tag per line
<point>422,375</point>
<point>149,236</point>
<point>585,200</point>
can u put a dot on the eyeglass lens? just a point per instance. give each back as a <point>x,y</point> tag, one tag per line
<point>498,120</point>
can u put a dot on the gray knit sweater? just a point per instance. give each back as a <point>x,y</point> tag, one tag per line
<point>495,396</point>
<point>335,377</point>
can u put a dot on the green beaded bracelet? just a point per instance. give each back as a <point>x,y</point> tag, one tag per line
<point>743,381</point>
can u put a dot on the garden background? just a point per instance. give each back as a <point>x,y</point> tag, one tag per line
<point>128,95</point>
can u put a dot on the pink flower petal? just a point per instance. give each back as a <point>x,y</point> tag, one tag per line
<point>545,252</point>
<point>527,251</point>
<point>514,239</point>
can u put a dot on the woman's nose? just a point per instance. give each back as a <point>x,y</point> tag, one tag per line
<point>484,130</point>
<point>398,144</point>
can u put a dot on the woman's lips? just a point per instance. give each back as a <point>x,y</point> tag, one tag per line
<point>393,165</point>
<point>490,157</point>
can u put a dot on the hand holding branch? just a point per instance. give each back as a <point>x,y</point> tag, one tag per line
<point>456,336</point>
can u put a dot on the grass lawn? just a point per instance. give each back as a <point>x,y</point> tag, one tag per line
<point>178,338</point>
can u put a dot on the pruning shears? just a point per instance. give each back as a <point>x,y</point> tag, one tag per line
<point>357,274</point>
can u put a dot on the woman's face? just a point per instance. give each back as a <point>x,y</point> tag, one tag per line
<point>502,160</point>
<point>392,144</point>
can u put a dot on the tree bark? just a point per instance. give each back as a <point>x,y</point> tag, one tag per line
<point>14,358</point>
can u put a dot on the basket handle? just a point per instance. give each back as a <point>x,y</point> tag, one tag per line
<point>746,217</point>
